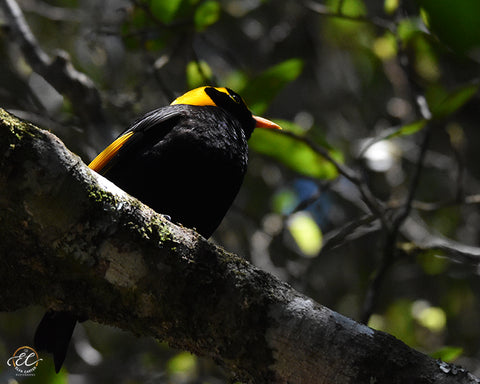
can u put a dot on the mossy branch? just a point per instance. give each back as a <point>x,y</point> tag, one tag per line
<point>73,241</point>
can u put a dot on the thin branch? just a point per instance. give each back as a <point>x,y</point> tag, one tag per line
<point>427,206</point>
<point>59,71</point>
<point>415,180</point>
<point>350,230</point>
<point>390,247</point>
<point>420,238</point>
<point>52,12</point>
<point>367,196</point>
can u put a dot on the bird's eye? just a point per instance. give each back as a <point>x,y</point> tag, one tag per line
<point>236,98</point>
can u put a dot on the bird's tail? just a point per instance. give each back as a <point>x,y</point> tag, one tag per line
<point>53,335</point>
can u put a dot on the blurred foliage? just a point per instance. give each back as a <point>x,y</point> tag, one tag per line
<point>365,81</point>
<point>295,154</point>
<point>454,22</point>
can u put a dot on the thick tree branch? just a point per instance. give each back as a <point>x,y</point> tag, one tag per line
<point>71,240</point>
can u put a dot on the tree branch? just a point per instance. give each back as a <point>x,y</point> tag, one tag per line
<point>59,72</point>
<point>73,241</point>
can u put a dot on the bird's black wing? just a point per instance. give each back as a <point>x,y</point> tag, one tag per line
<point>154,126</point>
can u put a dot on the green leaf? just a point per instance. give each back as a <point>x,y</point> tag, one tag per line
<point>452,102</point>
<point>206,14</point>
<point>284,201</point>
<point>406,130</point>
<point>454,22</point>
<point>45,373</point>
<point>165,10</point>
<point>399,321</point>
<point>198,73</point>
<point>306,233</point>
<point>260,91</point>
<point>426,62</point>
<point>344,32</point>
<point>432,264</point>
<point>351,8</point>
<point>390,6</point>
<point>291,152</point>
<point>385,47</point>
<point>183,362</point>
<point>447,353</point>
<point>432,318</point>
<point>235,80</point>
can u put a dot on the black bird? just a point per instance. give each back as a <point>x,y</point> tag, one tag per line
<point>186,160</point>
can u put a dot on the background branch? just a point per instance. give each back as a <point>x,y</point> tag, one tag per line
<point>59,72</point>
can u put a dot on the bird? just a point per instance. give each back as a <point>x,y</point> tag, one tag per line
<point>186,160</point>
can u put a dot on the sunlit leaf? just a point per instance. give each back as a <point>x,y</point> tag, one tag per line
<point>447,353</point>
<point>407,29</point>
<point>390,6</point>
<point>407,129</point>
<point>377,322</point>
<point>425,62</point>
<point>404,130</point>
<point>183,362</point>
<point>385,47</point>
<point>432,318</point>
<point>198,73</point>
<point>46,374</point>
<point>291,152</point>
<point>347,7</point>
<point>207,14</point>
<point>260,91</point>
<point>165,11</point>
<point>453,101</point>
<point>306,233</point>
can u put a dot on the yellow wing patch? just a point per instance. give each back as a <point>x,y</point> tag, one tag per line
<point>107,154</point>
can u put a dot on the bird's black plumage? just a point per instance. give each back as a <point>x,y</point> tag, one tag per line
<point>186,160</point>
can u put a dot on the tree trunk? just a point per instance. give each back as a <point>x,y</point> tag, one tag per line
<point>71,240</point>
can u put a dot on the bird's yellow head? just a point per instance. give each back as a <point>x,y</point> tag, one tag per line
<point>224,98</point>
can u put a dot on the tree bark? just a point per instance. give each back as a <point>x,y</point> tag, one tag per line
<point>71,240</point>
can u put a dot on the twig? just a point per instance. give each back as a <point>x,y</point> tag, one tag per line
<point>334,239</point>
<point>52,12</point>
<point>367,196</point>
<point>435,206</point>
<point>415,180</point>
<point>421,239</point>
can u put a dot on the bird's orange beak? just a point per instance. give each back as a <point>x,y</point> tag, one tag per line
<point>264,123</point>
